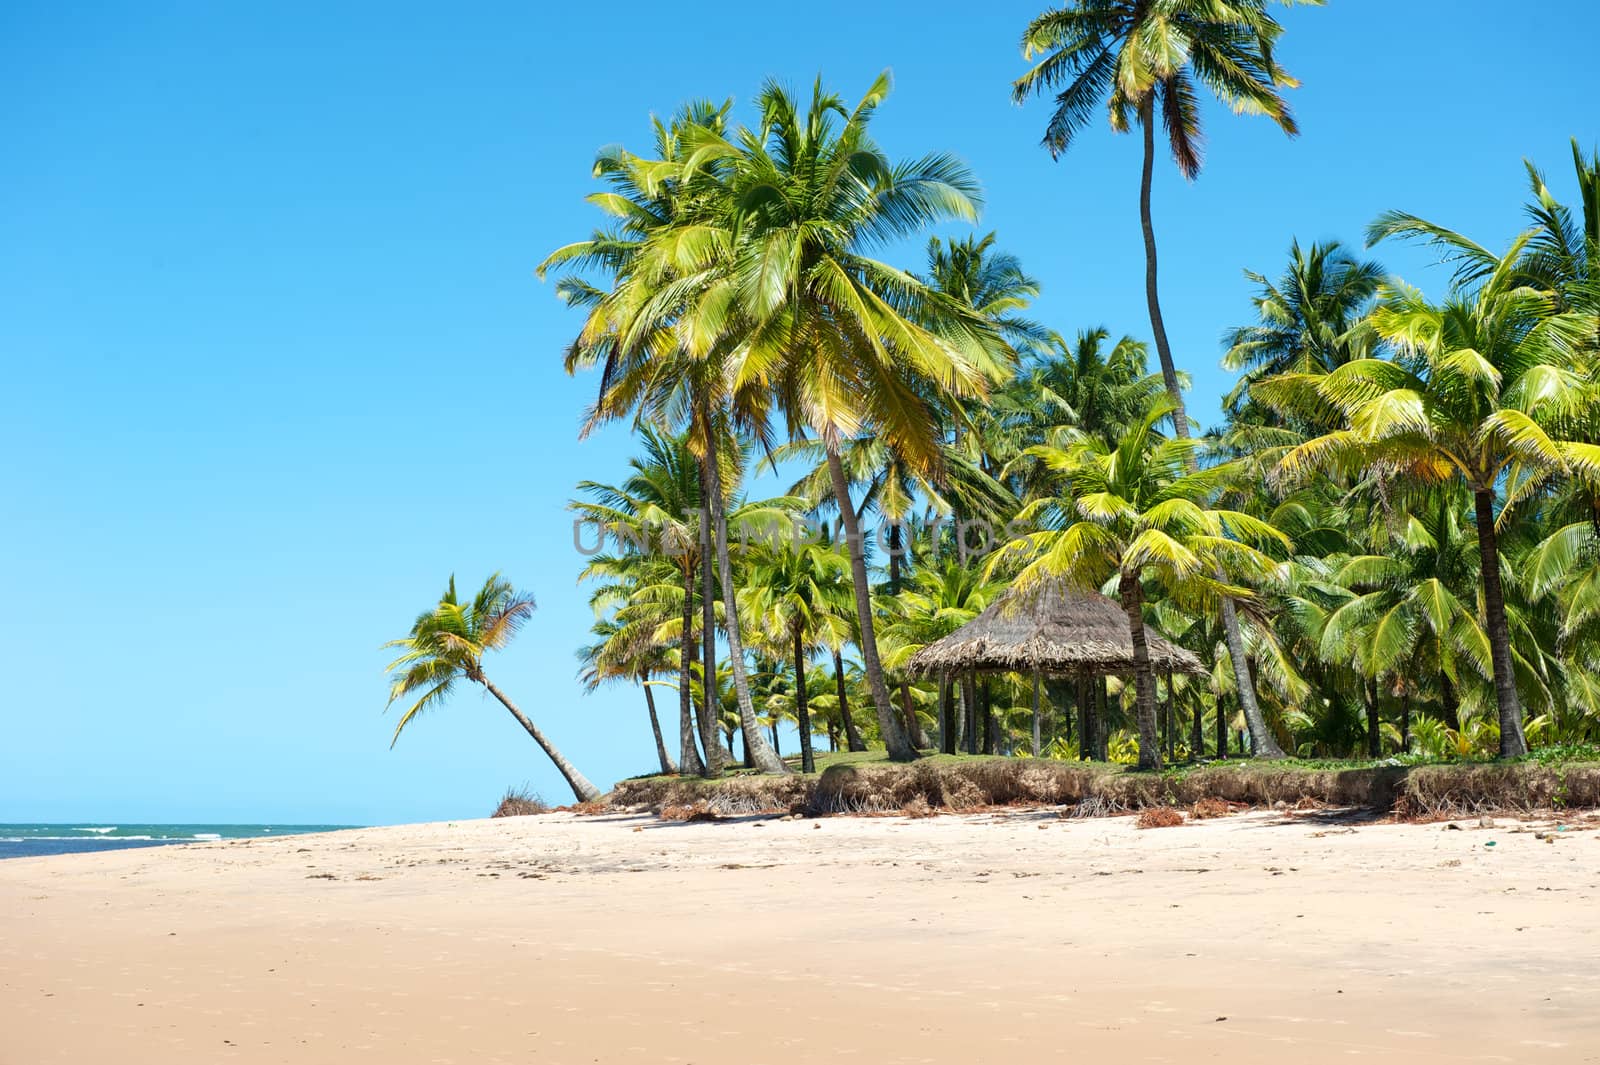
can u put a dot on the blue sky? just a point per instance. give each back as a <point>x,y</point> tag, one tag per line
<point>276,363</point>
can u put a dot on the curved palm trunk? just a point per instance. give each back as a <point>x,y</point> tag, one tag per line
<point>1263,744</point>
<point>852,734</point>
<point>1512,742</point>
<point>1262,741</point>
<point>585,791</point>
<point>688,756</point>
<point>802,712</point>
<point>655,727</point>
<point>757,749</point>
<point>709,741</point>
<point>1144,678</point>
<point>895,740</point>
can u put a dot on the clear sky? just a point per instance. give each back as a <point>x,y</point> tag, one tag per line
<point>276,364</point>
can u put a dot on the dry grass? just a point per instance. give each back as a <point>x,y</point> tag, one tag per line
<point>695,811</point>
<point>520,802</point>
<point>1205,808</point>
<point>1159,817</point>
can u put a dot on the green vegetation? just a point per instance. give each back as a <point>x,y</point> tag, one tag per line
<point>1386,548</point>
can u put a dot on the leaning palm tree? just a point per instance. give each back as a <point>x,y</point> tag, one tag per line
<point>1135,512</point>
<point>448,643</point>
<point>843,344</point>
<point>1476,385</point>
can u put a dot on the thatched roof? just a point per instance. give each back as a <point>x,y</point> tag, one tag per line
<point>1053,630</point>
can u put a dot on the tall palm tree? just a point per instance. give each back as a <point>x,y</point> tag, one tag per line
<point>1134,55</point>
<point>669,277</point>
<point>842,343</point>
<point>1137,511</point>
<point>448,642</point>
<point>1473,384</point>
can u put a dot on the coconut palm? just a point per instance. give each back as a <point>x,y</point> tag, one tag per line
<point>1311,320</point>
<point>649,332</point>
<point>1133,56</point>
<point>1467,396</point>
<point>1139,511</point>
<point>788,593</point>
<point>620,653</point>
<point>654,512</point>
<point>448,642</point>
<point>843,344</point>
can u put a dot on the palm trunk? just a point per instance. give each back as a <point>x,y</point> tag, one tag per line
<point>1169,372</point>
<point>1262,742</point>
<point>585,791</point>
<point>655,727</point>
<point>688,756</point>
<point>710,711</point>
<point>1449,701</point>
<point>1512,742</point>
<point>1222,731</point>
<point>1374,740</point>
<point>1197,732</point>
<point>852,734</point>
<point>895,740</point>
<point>1144,678</point>
<point>1036,737</point>
<point>802,713</point>
<point>759,751</point>
<point>1085,720</point>
<point>1405,720</point>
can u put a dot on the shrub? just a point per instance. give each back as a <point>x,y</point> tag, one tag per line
<point>520,802</point>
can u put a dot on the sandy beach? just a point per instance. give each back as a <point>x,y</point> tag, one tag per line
<point>1015,937</point>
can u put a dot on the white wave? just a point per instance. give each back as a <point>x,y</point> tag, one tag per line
<point>206,835</point>
<point>112,828</point>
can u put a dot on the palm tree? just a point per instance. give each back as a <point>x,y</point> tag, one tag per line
<point>1473,383</point>
<point>1311,320</point>
<point>649,333</point>
<point>788,593</point>
<point>620,654</point>
<point>448,643</point>
<point>1134,55</point>
<point>1138,511</point>
<point>940,598</point>
<point>654,512</point>
<point>842,343</point>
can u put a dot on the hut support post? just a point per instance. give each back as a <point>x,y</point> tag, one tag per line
<point>1172,720</point>
<point>946,732</point>
<point>1036,713</point>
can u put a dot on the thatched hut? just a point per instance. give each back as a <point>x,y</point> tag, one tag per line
<point>1054,631</point>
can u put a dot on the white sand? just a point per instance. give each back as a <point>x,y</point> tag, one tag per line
<point>1015,938</point>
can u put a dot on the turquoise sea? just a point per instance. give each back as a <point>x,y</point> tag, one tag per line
<point>33,840</point>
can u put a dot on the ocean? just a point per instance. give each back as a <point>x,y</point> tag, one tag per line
<point>34,840</point>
